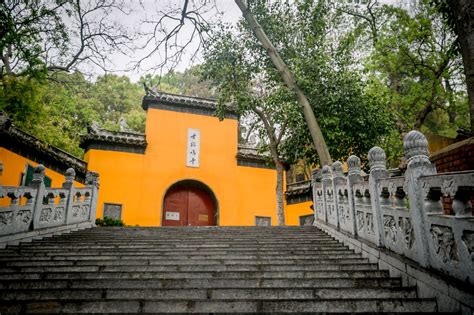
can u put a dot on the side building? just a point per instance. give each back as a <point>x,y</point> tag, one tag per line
<point>21,152</point>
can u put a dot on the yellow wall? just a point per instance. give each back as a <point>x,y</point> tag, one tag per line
<point>14,165</point>
<point>294,211</point>
<point>139,182</point>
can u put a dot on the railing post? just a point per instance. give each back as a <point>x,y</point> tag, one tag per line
<point>378,169</point>
<point>353,176</point>
<point>38,183</point>
<point>326,184</point>
<point>415,147</point>
<point>92,181</point>
<point>338,177</point>
<point>68,184</point>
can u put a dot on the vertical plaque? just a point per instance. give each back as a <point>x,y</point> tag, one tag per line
<point>193,147</point>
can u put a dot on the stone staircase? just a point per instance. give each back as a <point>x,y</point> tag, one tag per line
<point>197,269</point>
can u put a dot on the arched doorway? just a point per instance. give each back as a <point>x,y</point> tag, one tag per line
<point>189,203</point>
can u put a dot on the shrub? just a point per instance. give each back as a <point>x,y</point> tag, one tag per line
<point>108,222</point>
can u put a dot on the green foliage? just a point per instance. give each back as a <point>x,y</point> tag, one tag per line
<point>188,82</point>
<point>108,222</point>
<point>352,120</point>
<point>59,110</point>
<point>415,67</point>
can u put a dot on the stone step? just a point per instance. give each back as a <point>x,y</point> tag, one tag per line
<point>208,293</point>
<point>260,265</point>
<point>108,251</point>
<point>223,306</point>
<point>203,283</point>
<point>189,243</point>
<point>173,249</point>
<point>144,257</point>
<point>91,272</point>
<point>133,261</point>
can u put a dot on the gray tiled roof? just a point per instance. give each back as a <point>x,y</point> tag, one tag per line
<point>194,104</point>
<point>127,138</point>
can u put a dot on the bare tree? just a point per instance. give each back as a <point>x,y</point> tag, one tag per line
<point>59,35</point>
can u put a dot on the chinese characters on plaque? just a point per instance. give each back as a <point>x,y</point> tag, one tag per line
<point>193,147</point>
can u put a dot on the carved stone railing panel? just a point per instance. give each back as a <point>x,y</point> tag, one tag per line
<point>344,213</point>
<point>450,237</point>
<point>25,209</point>
<point>398,233</point>
<point>80,208</point>
<point>365,221</point>
<point>52,210</point>
<point>17,213</point>
<point>319,205</point>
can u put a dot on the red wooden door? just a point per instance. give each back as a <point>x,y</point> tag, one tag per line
<point>187,206</point>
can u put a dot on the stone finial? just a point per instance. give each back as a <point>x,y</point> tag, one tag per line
<point>316,176</point>
<point>415,143</point>
<point>337,169</point>
<point>377,159</point>
<point>92,179</point>
<point>70,175</point>
<point>38,173</point>
<point>38,176</point>
<point>326,172</point>
<point>353,165</point>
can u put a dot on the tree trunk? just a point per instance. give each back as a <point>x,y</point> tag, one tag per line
<point>279,193</point>
<point>313,126</point>
<point>463,16</point>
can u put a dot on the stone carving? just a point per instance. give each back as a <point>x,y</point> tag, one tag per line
<point>360,220</point>
<point>353,165</point>
<point>58,214</point>
<point>449,187</point>
<point>342,214</point>
<point>85,211</point>
<point>444,243</point>
<point>468,239</point>
<point>369,218</point>
<point>6,218</point>
<point>326,173</point>
<point>337,169</point>
<point>70,175</point>
<point>377,159</point>
<point>92,179</point>
<point>390,228</point>
<point>414,144</point>
<point>406,228</point>
<point>45,215</point>
<point>75,211</point>
<point>23,216</point>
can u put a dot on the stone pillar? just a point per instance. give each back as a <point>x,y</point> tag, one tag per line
<point>68,184</point>
<point>378,169</point>
<point>337,179</point>
<point>92,181</point>
<point>315,180</point>
<point>415,147</point>
<point>353,176</point>
<point>326,179</point>
<point>38,183</point>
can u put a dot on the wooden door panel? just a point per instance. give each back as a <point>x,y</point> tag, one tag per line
<point>175,208</point>
<point>200,208</point>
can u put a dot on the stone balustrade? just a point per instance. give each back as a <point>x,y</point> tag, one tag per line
<point>33,211</point>
<point>402,214</point>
